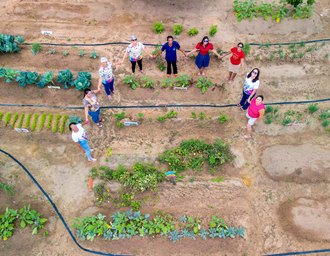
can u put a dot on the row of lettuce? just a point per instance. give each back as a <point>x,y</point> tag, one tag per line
<point>64,78</point>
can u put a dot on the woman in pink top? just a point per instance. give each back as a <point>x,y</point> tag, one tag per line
<point>255,111</point>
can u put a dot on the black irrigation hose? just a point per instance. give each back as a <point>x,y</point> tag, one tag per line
<point>147,44</point>
<point>165,105</point>
<point>299,253</point>
<point>55,208</point>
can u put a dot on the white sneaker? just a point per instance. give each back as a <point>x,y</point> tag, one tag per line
<point>92,159</point>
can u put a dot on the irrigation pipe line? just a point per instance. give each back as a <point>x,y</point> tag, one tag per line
<point>150,44</point>
<point>299,253</point>
<point>165,105</point>
<point>56,209</point>
<point>109,254</point>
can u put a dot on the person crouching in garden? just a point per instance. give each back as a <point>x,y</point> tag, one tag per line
<point>235,62</point>
<point>170,48</point>
<point>255,112</point>
<point>79,136</point>
<point>107,77</point>
<point>203,57</point>
<point>92,107</point>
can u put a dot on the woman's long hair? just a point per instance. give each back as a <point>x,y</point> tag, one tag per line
<point>257,76</point>
<point>86,91</point>
<point>205,37</point>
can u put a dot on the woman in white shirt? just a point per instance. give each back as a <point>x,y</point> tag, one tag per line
<point>251,85</point>
<point>135,50</point>
<point>79,136</point>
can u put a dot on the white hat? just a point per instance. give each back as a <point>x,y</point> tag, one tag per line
<point>133,37</point>
<point>104,59</point>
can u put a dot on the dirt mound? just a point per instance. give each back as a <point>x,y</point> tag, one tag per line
<point>308,218</point>
<point>301,164</point>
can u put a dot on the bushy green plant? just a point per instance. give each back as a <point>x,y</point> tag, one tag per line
<point>65,77</point>
<point>56,124</point>
<point>20,120</point>
<point>100,192</point>
<point>246,49</point>
<point>140,116</point>
<point>31,217</point>
<point>194,115</point>
<point>7,223</point>
<point>223,118</point>
<point>120,116</point>
<point>169,115</point>
<point>193,32</point>
<point>287,120</point>
<point>81,53</point>
<point>168,82</point>
<point>63,124</point>
<point>177,29</point>
<point>10,43</point>
<point>183,80</point>
<point>83,80</point>
<point>148,82</point>
<point>27,77</point>
<point>204,83</point>
<point>8,73</point>
<point>65,53</point>
<point>93,55</point>
<point>312,108</point>
<point>294,3</point>
<point>160,64</point>
<point>158,27</point>
<point>27,121</point>
<point>46,78</point>
<point>131,81</point>
<point>213,30</point>
<point>192,154</point>
<point>36,48</point>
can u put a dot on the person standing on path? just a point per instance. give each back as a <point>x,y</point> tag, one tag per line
<point>92,106</point>
<point>170,47</point>
<point>235,62</point>
<point>79,136</point>
<point>106,77</point>
<point>135,50</point>
<point>203,57</point>
<point>251,85</point>
<point>255,111</point>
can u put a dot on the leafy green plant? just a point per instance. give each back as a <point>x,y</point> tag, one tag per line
<point>27,121</point>
<point>193,32</point>
<point>193,115</point>
<point>183,80</point>
<point>246,49</point>
<point>65,77</point>
<point>218,179</point>
<point>268,118</point>
<point>168,82</point>
<point>36,48</point>
<point>65,53</point>
<point>140,116</point>
<point>82,53</point>
<point>223,118</point>
<point>325,118</point>
<point>7,222</point>
<point>9,189</point>
<point>46,78</point>
<point>177,29</point>
<point>49,121</point>
<point>52,51</point>
<point>119,124</point>
<point>27,77</point>
<point>160,64</point>
<point>42,121</point>
<point>287,120</point>
<point>131,81</point>
<point>93,55</point>
<point>192,154</point>
<point>100,192</point>
<point>1,116</point>
<point>83,80</point>
<point>294,3</point>
<point>213,30</point>
<point>312,108</point>
<point>201,116</point>
<point>158,27</point>
<point>8,73</point>
<point>148,82</point>
<point>10,43</point>
<point>169,115</point>
<point>156,50</point>
<point>7,118</point>
<point>33,125</point>
<point>120,116</point>
<point>31,217</point>
<point>204,83</point>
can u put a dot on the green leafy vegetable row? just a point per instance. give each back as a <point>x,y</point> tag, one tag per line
<point>10,43</point>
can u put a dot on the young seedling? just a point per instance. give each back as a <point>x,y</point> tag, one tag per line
<point>213,30</point>
<point>27,121</point>
<point>7,118</point>
<point>36,48</point>
<point>57,122</point>
<point>33,125</point>
<point>93,55</point>
<point>20,120</point>
<point>42,121</point>
<point>177,29</point>
<point>65,53</point>
<point>81,53</point>
<point>312,108</point>
<point>49,121</point>
<point>15,117</point>
<point>158,27</point>
<point>193,32</point>
<point>223,118</point>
